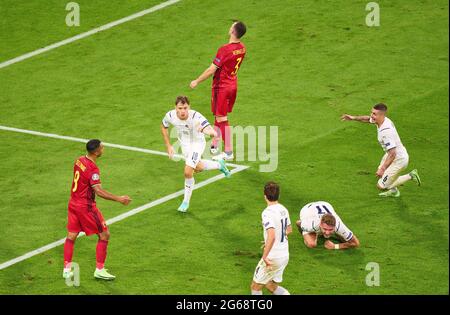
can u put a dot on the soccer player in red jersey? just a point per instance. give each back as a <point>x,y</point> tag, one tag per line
<point>83,215</point>
<point>225,66</point>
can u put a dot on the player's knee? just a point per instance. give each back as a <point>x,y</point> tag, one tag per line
<point>221,118</point>
<point>72,236</point>
<point>380,186</point>
<point>188,172</point>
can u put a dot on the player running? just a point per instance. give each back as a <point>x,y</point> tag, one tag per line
<point>225,66</point>
<point>191,127</point>
<point>395,159</point>
<point>319,218</point>
<point>83,215</point>
<point>277,226</point>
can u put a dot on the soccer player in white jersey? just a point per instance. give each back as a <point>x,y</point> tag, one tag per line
<point>319,218</point>
<point>277,226</point>
<point>191,127</point>
<point>395,159</point>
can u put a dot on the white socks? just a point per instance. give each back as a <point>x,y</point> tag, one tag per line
<point>281,291</point>
<point>254,292</point>
<point>210,165</point>
<point>188,187</point>
<point>400,180</point>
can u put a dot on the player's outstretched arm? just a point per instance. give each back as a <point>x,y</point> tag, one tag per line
<point>353,243</point>
<point>165,134</point>
<point>99,191</point>
<point>205,75</point>
<point>356,118</point>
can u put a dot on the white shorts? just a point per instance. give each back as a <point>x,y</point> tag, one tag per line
<point>193,153</point>
<point>393,171</point>
<point>263,275</point>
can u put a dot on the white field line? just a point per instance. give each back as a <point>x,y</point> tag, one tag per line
<point>238,168</point>
<point>88,33</point>
<point>106,144</point>
<point>118,218</point>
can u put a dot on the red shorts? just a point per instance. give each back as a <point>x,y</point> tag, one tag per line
<point>222,101</point>
<point>85,219</point>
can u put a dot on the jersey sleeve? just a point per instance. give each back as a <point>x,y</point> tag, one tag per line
<point>267,220</point>
<point>166,120</point>
<point>343,231</point>
<point>94,177</point>
<point>387,136</point>
<point>200,121</point>
<point>219,60</point>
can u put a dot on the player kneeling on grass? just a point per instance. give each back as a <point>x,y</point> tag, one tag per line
<point>319,218</point>
<point>277,226</point>
<point>83,214</point>
<point>191,127</point>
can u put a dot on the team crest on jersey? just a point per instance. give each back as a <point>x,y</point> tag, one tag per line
<point>95,176</point>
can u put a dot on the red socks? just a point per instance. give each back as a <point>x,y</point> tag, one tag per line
<point>226,134</point>
<point>101,253</point>
<point>68,252</point>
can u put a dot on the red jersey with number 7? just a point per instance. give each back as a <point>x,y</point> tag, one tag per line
<point>85,175</point>
<point>228,60</point>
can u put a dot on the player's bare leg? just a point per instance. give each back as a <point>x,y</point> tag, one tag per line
<point>68,253</point>
<point>102,245</point>
<point>206,165</point>
<point>256,288</point>
<point>310,240</point>
<point>276,289</point>
<point>222,123</point>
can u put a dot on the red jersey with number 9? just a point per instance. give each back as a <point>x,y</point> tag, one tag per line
<point>85,175</point>
<point>228,60</point>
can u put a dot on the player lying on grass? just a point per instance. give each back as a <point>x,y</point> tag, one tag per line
<point>277,226</point>
<point>83,214</point>
<point>395,159</point>
<point>319,218</point>
<point>191,127</point>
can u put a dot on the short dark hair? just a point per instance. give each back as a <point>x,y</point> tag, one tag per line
<point>93,145</point>
<point>239,29</point>
<point>272,191</point>
<point>182,99</point>
<point>328,219</point>
<point>381,106</point>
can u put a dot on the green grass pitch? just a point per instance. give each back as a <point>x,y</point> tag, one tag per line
<point>307,63</point>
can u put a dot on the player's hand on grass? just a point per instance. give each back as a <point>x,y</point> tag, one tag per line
<point>347,117</point>
<point>125,200</point>
<point>329,244</point>
<point>193,84</point>
<point>170,151</point>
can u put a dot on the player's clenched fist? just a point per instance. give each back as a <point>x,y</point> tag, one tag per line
<point>125,200</point>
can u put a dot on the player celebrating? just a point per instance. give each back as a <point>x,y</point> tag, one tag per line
<point>395,159</point>
<point>277,226</point>
<point>83,213</point>
<point>192,127</point>
<point>225,66</point>
<point>319,218</point>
